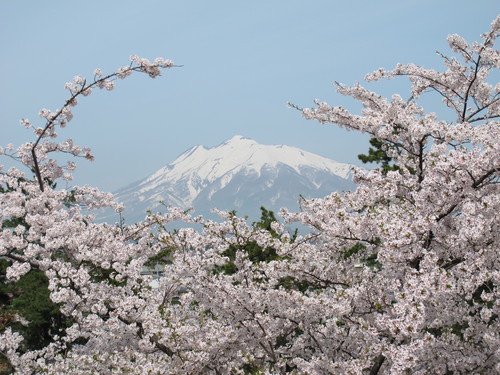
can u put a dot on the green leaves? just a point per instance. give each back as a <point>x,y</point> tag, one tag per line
<point>27,301</point>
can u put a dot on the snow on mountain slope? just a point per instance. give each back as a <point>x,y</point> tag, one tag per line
<point>238,174</point>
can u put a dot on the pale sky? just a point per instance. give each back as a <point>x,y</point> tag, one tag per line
<point>242,62</point>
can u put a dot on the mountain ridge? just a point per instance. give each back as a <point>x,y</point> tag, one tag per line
<point>237,174</point>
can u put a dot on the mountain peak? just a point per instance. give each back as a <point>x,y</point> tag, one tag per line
<point>238,140</point>
<point>239,167</point>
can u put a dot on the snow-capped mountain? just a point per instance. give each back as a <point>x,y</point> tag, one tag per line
<point>240,174</point>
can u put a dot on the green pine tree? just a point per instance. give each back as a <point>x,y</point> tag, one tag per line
<point>378,154</point>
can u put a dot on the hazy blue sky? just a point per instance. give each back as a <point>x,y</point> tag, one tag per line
<point>242,62</point>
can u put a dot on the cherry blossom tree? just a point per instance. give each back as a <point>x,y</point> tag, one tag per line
<point>399,276</point>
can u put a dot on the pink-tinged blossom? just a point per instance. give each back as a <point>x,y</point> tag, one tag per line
<point>109,85</point>
<point>16,270</point>
<point>124,72</point>
<point>25,122</point>
<point>79,80</point>
<point>45,113</point>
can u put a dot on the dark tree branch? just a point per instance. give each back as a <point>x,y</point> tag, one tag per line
<point>467,92</point>
<point>379,361</point>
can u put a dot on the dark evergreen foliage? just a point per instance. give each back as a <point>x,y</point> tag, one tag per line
<point>378,154</point>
